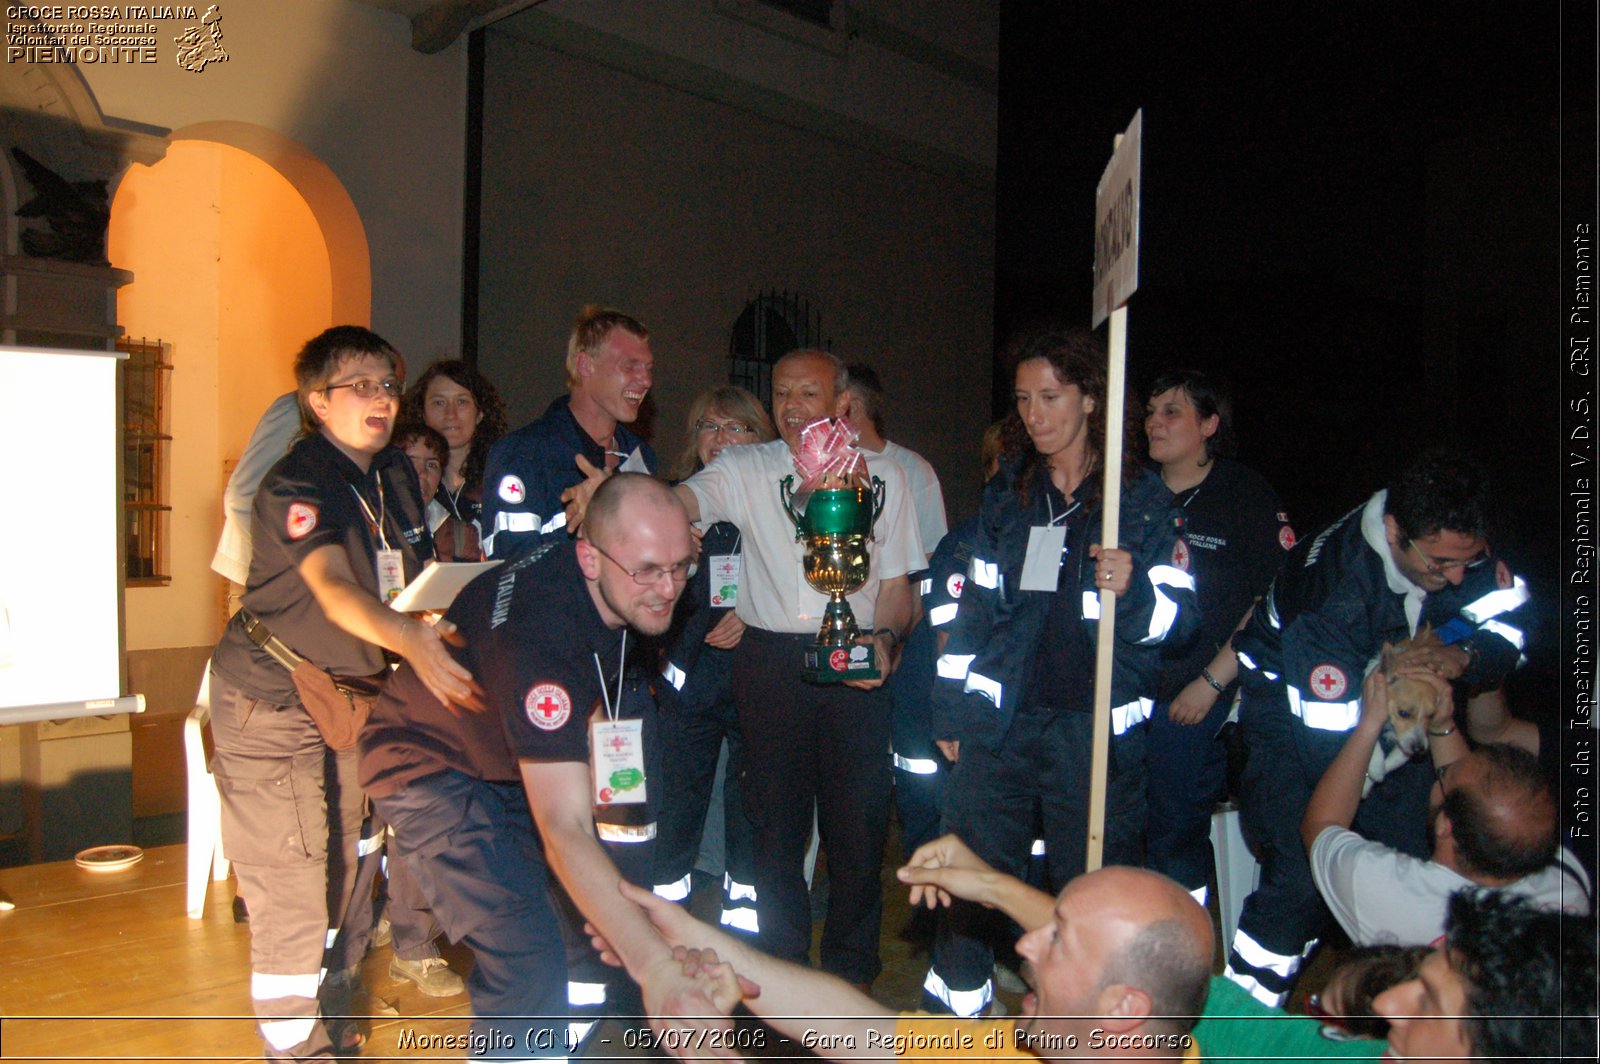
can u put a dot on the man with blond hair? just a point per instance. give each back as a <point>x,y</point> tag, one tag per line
<point>609,373</point>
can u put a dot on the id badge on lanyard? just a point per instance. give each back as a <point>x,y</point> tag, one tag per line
<point>389,565</point>
<point>616,761</point>
<point>1047,545</point>
<point>616,747</point>
<point>725,579</point>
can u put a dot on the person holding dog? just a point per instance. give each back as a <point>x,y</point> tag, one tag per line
<point>1416,553</point>
<point>1491,818</point>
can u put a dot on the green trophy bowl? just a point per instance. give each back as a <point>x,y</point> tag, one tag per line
<point>835,525</point>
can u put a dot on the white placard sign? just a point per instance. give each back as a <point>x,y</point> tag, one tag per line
<point>1116,225</point>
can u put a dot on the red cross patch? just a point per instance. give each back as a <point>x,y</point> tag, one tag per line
<point>1328,682</point>
<point>955,584</point>
<point>302,519</point>
<point>1502,575</point>
<point>1180,554</point>
<point>511,489</point>
<point>1286,538</point>
<point>548,706</point>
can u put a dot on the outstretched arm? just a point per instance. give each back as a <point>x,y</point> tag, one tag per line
<point>558,793</point>
<point>946,868</point>
<point>1333,804</point>
<point>793,1000</point>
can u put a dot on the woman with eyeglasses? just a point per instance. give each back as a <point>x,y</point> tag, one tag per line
<point>338,528</point>
<point>460,404</point>
<point>697,704</point>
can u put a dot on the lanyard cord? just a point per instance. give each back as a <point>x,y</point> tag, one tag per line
<point>612,709</point>
<point>1052,510</point>
<point>375,523</point>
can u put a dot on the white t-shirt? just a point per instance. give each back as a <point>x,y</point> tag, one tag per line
<point>741,486</point>
<point>1383,897</point>
<point>268,444</point>
<point>926,494</point>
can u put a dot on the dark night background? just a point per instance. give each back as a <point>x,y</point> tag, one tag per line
<point>1350,211</point>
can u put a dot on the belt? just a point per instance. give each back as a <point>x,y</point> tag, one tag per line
<point>259,634</point>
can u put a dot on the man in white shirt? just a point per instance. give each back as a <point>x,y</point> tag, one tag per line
<point>865,414</point>
<point>1492,823</point>
<point>807,744</point>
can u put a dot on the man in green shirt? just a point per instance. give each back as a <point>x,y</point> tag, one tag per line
<point>1119,964</point>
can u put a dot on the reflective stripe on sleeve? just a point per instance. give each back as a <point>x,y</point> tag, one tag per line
<point>1127,715</point>
<point>1324,716</point>
<point>954,666</point>
<point>990,689</point>
<point>1497,602</point>
<point>917,766</point>
<point>985,574</point>
<point>1166,607</point>
<point>943,614</point>
<point>1091,605</point>
<point>1511,635</point>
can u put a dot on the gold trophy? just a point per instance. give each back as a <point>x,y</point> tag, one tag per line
<point>835,525</point>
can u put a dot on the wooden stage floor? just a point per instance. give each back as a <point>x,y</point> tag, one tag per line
<point>107,966</point>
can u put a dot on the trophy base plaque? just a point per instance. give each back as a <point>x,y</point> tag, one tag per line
<point>826,664</point>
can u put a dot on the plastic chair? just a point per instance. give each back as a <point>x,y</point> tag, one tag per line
<point>205,806</point>
<point>1237,871</point>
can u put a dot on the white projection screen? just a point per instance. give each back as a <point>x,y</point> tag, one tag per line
<point>60,649</point>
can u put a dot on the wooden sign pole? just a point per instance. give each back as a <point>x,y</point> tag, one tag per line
<point>1116,277</point>
<point>1111,492</point>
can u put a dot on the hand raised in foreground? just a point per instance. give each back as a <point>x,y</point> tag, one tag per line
<point>576,498</point>
<point>946,868</point>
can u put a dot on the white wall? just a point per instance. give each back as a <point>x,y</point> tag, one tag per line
<point>342,80</point>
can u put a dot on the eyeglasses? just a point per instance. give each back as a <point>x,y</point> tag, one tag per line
<point>651,574</point>
<point>1440,566</point>
<point>736,429</point>
<point>366,388</point>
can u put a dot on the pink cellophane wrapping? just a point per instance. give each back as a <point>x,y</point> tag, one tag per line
<point>828,447</point>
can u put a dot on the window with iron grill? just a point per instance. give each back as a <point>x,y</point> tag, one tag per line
<point>146,448</point>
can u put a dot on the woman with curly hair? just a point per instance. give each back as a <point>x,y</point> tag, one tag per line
<point>1013,703</point>
<point>460,404</point>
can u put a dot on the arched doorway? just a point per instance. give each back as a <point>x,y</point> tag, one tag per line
<point>231,273</point>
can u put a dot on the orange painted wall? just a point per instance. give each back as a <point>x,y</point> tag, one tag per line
<point>231,269</point>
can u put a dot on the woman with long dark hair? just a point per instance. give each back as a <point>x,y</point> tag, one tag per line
<point>1013,706</point>
<point>460,404</point>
